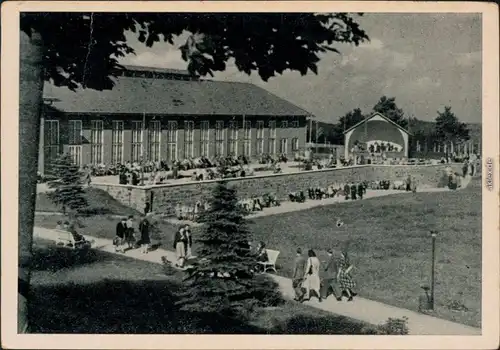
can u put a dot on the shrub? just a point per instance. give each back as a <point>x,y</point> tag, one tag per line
<point>394,326</point>
<point>98,210</point>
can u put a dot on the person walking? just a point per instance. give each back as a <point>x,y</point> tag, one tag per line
<point>347,191</point>
<point>353,191</point>
<point>344,278</point>
<point>330,280</point>
<point>413,185</point>
<point>298,275</point>
<point>121,231</point>
<point>189,241</point>
<point>465,168</point>
<point>144,228</point>
<point>312,282</point>
<point>361,190</point>
<point>180,241</point>
<point>408,184</point>
<point>129,233</point>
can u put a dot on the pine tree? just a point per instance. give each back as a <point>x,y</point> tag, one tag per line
<point>449,129</point>
<point>223,281</point>
<point>68,191</point>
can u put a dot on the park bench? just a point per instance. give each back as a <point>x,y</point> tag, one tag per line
<point>66,239</point>
<point>270,264</point>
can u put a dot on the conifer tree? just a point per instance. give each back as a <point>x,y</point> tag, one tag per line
<point>68,191</point>
<point>223,279</point>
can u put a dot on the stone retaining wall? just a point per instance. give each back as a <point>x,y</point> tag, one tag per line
<point>164,198</point>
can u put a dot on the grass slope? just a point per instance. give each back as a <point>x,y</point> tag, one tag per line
<point>104,293</point>
<point>99,201</point>
<point>390,246</point>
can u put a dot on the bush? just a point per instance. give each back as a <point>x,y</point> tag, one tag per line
<point>263,168</point>
<point>91,211</point>
<point>394,326</point>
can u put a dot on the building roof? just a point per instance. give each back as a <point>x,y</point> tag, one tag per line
<point>136,95</point>
<point>133,68</point>
<point>375,115</point>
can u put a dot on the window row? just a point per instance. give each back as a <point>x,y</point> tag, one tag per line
<point>223,138</point>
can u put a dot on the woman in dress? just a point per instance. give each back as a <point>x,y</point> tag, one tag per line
<point>180,242</point>
<point>346,282</point>
<point>311,278</point>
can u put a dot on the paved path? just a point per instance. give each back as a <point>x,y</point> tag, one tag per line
<point>287,206</point>
<point>361,309</point>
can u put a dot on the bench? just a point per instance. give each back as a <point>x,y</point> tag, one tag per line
<point>66,239</point>
<point>270,264</point>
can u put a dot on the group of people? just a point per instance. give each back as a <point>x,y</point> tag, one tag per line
<point>354,191</point>
<point>183,243</point>
<point>125,234</point>
<point>337,280</point>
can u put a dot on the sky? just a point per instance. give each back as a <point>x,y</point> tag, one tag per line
<point>426,61</point>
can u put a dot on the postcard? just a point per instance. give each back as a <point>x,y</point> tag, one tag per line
<point>236,175</point>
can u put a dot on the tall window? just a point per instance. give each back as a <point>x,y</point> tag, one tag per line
<point>284,146</point>
<point>188,139</point>
<point>172,141</point>
<point>75,141</point>
<point>272,137</point>
<point>51,141</point>
<point>418,146</point>
<point>136,141</point>
<point>260,137</point>
<point>75,132</point>
<point>154,140</point>
<point>117,142</point>
<point>219,138</point>
<point>233,138</point>
<point>205,138</point>
<point>247,138</point>
<point>96,133</point>
<point>295,144</point>
<point>284,124</point>
<point>295,124</point>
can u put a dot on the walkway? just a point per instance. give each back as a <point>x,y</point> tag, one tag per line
<point>287,206</point>
<point>361,309</point>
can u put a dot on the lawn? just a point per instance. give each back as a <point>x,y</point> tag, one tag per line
<point>390,246</point>
<point>99,202</point>
<point>389,242</point>
<point>104,293</point>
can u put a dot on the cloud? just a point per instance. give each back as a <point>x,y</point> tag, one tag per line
<point>401,60</point>
<point>427,82</point>
<point>468,59</point>
<point>376,55</point>
<point>167,59</point>
<point>373,44</point>
<point>424,61</point>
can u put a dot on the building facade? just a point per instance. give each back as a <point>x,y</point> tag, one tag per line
<point>161,115</point>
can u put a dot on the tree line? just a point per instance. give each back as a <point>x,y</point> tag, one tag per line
<point>446,127</point>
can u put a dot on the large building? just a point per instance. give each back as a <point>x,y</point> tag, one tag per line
<point>160,114</point>
<point>375,135</point>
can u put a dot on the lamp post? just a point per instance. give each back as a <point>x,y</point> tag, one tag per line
<point>433,236</point>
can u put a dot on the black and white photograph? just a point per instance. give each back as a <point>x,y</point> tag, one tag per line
<point>225,170</point>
